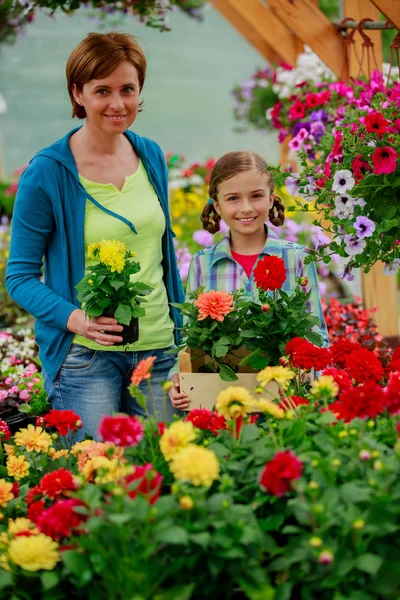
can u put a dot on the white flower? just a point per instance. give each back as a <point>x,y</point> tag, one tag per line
<point>359,202</point>
<point>343,180</point>
<point>392,267</point>
<point>353,245</point>
<point>344,206</point>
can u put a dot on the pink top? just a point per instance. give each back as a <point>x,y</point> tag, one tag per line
<point>246,261</point>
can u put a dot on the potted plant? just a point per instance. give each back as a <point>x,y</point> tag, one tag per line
<point>109,288</point>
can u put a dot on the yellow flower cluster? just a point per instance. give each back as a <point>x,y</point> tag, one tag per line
<point>325,386</point>
<point>17,467</point>
<point>109,252</point>
<point>101,469</point>
<point>234,402</point>
<point>34,439</point>
<point>281,375</point>
<point>185,204</point>
<point>33,553</point>
<point>195,465</point>
<point>178,435</point>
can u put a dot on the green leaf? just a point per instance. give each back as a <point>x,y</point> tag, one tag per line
<point>123,314</point>
<point>6,579</point>
<point>25,408</point>
<point>141,399</point>
<point>179,592</point>
<point>249,433</point>
<point>49,579</point>
<point>257,592</point>
<point>78,565</point>
<point>227,374</point>
<point>173,535</point>
<point>220,350</point>
<point>369,563</point>
<point>353,492</point>
<point>203,539</point>
<point>117,284</point>
<point>314,338</point>
<point>120,519</point>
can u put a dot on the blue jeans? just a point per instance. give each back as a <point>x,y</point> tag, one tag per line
<point>94,383</point>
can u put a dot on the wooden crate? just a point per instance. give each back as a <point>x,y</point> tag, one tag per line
<point>203,388</point>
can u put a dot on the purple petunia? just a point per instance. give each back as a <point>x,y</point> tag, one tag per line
<point>347,273</point>
<point>353,245</point>
<point>292,185</point>
<point>364,227</point>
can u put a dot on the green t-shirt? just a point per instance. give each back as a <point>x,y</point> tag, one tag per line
<point>137,202</point>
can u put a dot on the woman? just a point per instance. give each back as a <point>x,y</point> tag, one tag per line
<point>100,181</point>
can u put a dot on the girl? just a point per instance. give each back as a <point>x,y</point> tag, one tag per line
<point>241,193</point>
<point>100,181</point>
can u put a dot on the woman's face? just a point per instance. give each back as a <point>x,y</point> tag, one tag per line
<point>111,103</point>
<point>244,202</point>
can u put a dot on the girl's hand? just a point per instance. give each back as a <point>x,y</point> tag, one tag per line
<point>94,329</point>
<point>178,399</point>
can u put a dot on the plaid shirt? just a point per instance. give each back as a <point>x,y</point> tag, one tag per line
<point>215,269</point>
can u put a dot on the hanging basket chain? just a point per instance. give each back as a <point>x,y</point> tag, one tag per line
<point>394,50</point>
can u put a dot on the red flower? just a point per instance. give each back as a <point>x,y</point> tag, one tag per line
<point>35,510</point>
<point>61,519</point>
<point>304,355</point>
<point>339,410</point>
<point>122,430</point>
<point>32,495</point>
<point>362,365</point>
<point>63,420</point>
<point>207,420</point>
<point>384,160</point>
<point>340,350</point>
<point>340,376</point>
<point>15,489</point>
<point>5,433</point>
<point>313,100</point>
<point>360,166</point>
<point>55,483</point>
<point>279,472</point>
<point>148,482</point>
<point>366,400</point>
<point>297,110</point>
<point>161,428</point>
<point>392,394</point>
<point>143,370</point>
<point>375,122</point>
<point>270,273</point>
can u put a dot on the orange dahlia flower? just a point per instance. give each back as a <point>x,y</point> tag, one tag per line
<point>214,305</point>
<point>143,370</point>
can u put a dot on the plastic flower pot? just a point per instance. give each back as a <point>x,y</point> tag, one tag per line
<point>129,333</point>
<point>17,420</point>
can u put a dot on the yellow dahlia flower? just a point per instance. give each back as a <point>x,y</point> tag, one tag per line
<point>21,524</point>
<point>34,439</point>
<point>234,402</point>
<point>267,406</point>
<point>195,465</point>
<point>34,553</point>
<point>5,492</point>
<point>177,436</point>
<point>9,449</point>
<point>282,375</point>
<point>324,386</point>
<point>93,249</point>
<point>112,254</point>
<point>17,467</point>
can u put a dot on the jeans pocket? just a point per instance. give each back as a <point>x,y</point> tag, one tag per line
<point>79,357</point>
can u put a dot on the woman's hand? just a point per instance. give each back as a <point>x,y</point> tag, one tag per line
<point>94,329</point>
<point>178,399</point>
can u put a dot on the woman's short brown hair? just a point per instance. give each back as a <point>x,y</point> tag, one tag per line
<point>228,166</point>
<point>97,56</point>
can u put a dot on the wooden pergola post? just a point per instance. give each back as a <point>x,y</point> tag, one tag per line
<point>390,9</point>
<point>377,289</point>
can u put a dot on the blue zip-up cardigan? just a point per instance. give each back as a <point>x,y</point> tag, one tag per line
<point>48,223</point>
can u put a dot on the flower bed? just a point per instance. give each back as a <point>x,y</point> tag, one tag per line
<point>301,502</point>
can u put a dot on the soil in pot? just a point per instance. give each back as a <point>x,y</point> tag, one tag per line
<point>129,333</point>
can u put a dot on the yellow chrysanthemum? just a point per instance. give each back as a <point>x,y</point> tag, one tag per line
<point>101,469</point>
<point>54,454</point>
<point>177,436</point>
<point>34,553</point>
<point>5,492</point>
<point>21,524</point>
<point>34,439</point>
<point>324,386</point>
<point>234,402</point>
<point>112,254</point>
<point>267,406</point>
<point>9,449</point>
<point>195,465</point>
<point>282,375</point>
<point>93,249</point>
<point>17,467</point>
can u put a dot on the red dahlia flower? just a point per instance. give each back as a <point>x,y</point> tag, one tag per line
<point>32,495</point>
<point>375,122</point>
<point>207,420</point>
<point>340,377</point>
<point>63,420</point>
<point>61,519</point>
<point>304,355</point>
<point>122,430</point>
<point>5,433</point>
<point>362,365</point>
<point>148,482</point>
<point>384,160</point>
<point>270,273</point>
<point>55,483</point>
<point>366,400</point>
<point>341,349</point>
<point>278,473</point>
<point>392,394</point>
<point>34,511</point>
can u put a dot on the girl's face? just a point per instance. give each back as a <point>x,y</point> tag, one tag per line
<point>111,103</point>
<point>244,202</point>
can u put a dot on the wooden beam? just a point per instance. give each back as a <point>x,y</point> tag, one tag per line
<point>247,31</point>
<point>267,26</point>
<point>358,10</point>
<point>309,23</point>
<point>390,9</point>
